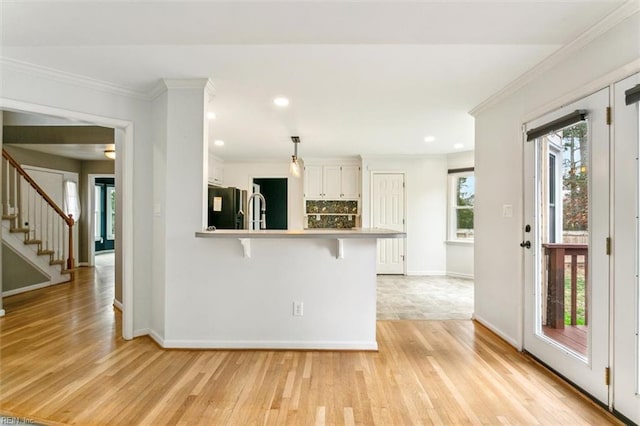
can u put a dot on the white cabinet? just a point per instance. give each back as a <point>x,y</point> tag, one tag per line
<point>332,182</point>
<point>350,182</point>
<point>215,174</point>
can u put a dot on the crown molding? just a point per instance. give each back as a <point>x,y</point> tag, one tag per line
<point>70,78</point>
<point>183,83</point>
<point>621,13</point>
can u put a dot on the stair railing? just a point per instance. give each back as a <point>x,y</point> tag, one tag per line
<point>36,214</point>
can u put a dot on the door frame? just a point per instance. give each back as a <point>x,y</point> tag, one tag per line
<point>404,207</point>
<point>124,212</point>
<point>91,179</point>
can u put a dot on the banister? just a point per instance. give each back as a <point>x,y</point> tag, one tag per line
<point>68,219</point>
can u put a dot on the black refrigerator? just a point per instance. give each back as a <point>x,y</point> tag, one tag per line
<point>226,208</point>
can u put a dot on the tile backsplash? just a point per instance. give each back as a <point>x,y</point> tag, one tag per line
<point>331,214</point>
<point>335,206</point>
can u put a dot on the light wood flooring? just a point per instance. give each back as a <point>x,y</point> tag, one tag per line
<point>63,361</point>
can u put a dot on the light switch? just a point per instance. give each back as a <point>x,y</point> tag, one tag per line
<point>157,209</point>
<point>507,210</point>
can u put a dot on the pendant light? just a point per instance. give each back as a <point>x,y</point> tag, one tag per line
<point>294,167</point>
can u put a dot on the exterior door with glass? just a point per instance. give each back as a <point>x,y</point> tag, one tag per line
<point>104,214</point>
<point>626,243</point>
<point>566,242</point>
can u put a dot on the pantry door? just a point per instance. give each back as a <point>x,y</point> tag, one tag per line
<point>388,213</point>
<point>566,242</point>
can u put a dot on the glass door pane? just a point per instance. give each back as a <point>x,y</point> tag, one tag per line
<point>563,284</point>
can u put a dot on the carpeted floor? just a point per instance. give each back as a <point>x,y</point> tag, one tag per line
<point>420,298</point>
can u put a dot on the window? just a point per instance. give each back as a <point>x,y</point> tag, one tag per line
<point>463,187</point>
<point>71,199</point>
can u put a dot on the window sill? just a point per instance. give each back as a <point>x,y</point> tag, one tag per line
<point>468,243</point>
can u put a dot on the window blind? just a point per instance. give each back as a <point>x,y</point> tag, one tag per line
<point>562,122</point>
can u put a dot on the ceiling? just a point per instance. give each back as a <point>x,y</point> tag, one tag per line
<point>363,78</point>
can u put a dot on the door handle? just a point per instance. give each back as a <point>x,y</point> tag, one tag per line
<point>526,244</point>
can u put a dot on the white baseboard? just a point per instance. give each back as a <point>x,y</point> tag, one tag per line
<point>459,275</point>
<point>426,273</point>
<point>27,288</point>
<point>496,330</point>
<point>83,264</point>
<point>2,312</point>
<point>141,332</point>
<point>156,338</point>
<point>117,305</point>
<point>268,344</point>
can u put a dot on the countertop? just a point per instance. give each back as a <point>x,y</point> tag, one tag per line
<point>303,233</point>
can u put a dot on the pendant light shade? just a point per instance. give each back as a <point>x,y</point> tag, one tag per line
<point>110,154</point>
<point>294,167</point>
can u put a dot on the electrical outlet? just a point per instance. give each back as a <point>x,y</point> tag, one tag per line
<point>298,309</point>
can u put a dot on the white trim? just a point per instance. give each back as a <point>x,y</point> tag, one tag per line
<point>142,332</point>
<point>28,288</point>
<point>117,304</point>
<point>426,273</point>
<point>497,331</point>
<point>76,79</point>
<point>267,344</point>
<point>584,90</point>
<point>610,21</point>
<point>459,275</point>
<point>466,243</point>
<point>124,159</point>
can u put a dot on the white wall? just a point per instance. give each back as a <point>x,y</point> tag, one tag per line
<point>459,254</point>
<point>426,208</point>
<point>241,174</point>
<point>50,92</point>
<point>498,166</point>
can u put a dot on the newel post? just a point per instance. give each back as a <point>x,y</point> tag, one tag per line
<point>70,260</point>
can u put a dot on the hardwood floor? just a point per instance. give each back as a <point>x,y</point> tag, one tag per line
<point>63,361</point>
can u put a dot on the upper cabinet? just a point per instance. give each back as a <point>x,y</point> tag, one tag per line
<point>332,182</point>
<point>215,175</point>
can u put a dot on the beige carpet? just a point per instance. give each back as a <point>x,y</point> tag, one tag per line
<point>420,298</point>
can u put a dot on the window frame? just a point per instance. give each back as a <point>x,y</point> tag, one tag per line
<point>452,206</point>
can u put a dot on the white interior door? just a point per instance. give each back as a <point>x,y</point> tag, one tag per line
<point>626,320</point>
<point>388,213</point>
<point>567,266</point>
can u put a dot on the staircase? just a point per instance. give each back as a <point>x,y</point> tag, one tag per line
<point>34,226</point>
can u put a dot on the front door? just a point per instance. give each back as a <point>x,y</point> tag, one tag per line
<point>104,214</point>
<point>565,242</point>
<point>388,213</point>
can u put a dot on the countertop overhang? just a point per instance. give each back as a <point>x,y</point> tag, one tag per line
<point>303,233</point>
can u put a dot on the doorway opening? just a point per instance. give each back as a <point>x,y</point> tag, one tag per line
<point>104,214</point>
<point>274,191</point>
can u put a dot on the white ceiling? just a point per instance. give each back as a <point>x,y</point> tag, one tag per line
<point>363,78</point>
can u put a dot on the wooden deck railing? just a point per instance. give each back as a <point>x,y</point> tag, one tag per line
<point>42,220</point>
<point>556,260</point>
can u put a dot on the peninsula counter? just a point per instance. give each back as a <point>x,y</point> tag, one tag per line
<point>306,289</point>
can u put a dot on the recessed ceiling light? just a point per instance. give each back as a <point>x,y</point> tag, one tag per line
<point>218,142</point>
<point>458,146</point>
<point>429,138</point>
<point>211,115</point>
<point>281,101</point>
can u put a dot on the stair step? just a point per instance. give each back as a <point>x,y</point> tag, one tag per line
<point>9,216</point>
<point>68,271</point>
<point>57,262</point>
<point>33,242</point>
<point>43,252</point>
<point>17,230</point>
